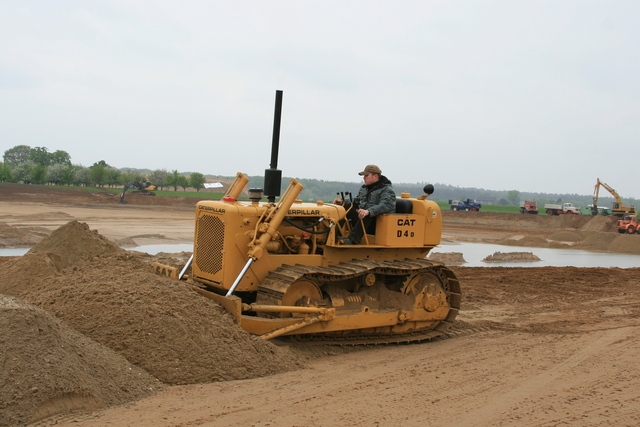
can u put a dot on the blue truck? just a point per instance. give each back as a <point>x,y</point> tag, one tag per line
<point>465,205</point>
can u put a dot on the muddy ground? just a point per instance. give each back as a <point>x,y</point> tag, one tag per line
<point>90,336</point>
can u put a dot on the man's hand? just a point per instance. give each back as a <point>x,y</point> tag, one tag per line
<point>362,213</point>
<point>337,201</point>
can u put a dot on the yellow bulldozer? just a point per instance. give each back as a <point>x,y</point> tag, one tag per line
<point>281,270</point>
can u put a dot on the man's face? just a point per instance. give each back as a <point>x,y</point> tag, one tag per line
<point>370,178</point>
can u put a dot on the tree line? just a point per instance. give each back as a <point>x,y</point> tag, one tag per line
<point>25,164</point>
<point>37,165</point>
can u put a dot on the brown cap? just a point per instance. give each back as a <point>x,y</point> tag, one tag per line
<point>370,169</point>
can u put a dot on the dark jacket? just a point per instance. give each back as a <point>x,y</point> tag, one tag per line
<point>378,198</point>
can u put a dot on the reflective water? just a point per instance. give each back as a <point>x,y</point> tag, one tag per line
<point>473,254</point>
<point>13,252</point>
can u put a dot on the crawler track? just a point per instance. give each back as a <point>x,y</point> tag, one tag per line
<point>275,286</point>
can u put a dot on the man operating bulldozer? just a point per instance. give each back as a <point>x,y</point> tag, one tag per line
<point>376,196</point>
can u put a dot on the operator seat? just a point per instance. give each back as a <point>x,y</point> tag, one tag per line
<point>404,206</point>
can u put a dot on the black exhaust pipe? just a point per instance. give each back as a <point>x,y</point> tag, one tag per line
<point>273,175</point>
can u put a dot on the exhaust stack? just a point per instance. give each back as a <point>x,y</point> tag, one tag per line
<point>273,175</point>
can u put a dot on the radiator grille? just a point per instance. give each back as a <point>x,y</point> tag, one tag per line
<point>209,244</point>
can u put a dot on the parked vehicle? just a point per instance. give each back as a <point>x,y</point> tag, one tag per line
<point>565,208</point>
<point>465,205</point>
<point>529,207</point>
<point>628,224</point>
<point>617,208</point>
<point>588,210</point>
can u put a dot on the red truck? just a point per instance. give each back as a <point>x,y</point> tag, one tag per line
<point>529,207</point>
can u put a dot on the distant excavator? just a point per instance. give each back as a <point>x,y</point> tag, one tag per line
<point>144,188</point>
<point>617,208</point>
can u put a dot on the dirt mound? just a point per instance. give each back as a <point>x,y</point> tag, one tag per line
<point>73,242</point>
<point>598,241</point>
<point>115,298</point>
<point>601,223</point>
<point>511,257</point>
<point>567,236</point>
<point>23,237</point>
<point>626,244</point>
<point>48,368</point>
<point>156,323</point>
<point>22,273</point>
<point>448,258</point>
<point>529,241</point>
<point>177,259</point>
<point>48,215</point>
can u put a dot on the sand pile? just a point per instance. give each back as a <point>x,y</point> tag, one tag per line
<point>114,297</point>
<point>598,241</point>
<point>601,223</point>
<point>511,257</point>
<point>448,258</point>
<point>158,324</point>
<point>568,237</point>
<point>24,237</point>
<point>50,215</point>
<point>626,244</point>
<point>176,259</point>
<point>47,367</point>
<point>62,248</point>
<point>529,241</point>
<point>73,242</point>
<point>21,273</point>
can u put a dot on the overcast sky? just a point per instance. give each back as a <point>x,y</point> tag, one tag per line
<point>540,96</point>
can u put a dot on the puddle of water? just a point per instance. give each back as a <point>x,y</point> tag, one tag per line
<point>473,254</point>
<point>13,251</point>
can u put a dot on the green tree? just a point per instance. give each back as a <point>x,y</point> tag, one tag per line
<point>127,177</point>
<point>17,155</point>
<point>113,177</point>
<point>183,182</point>
<point>5,172</point>
<point>39,174</point>
<point>69,174</point>
<point>60,157</point>
<point>40,155</point>
<point>98,175</point>
<point>173,180</point>
<point>513,197</point>
<point>197,180</point>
